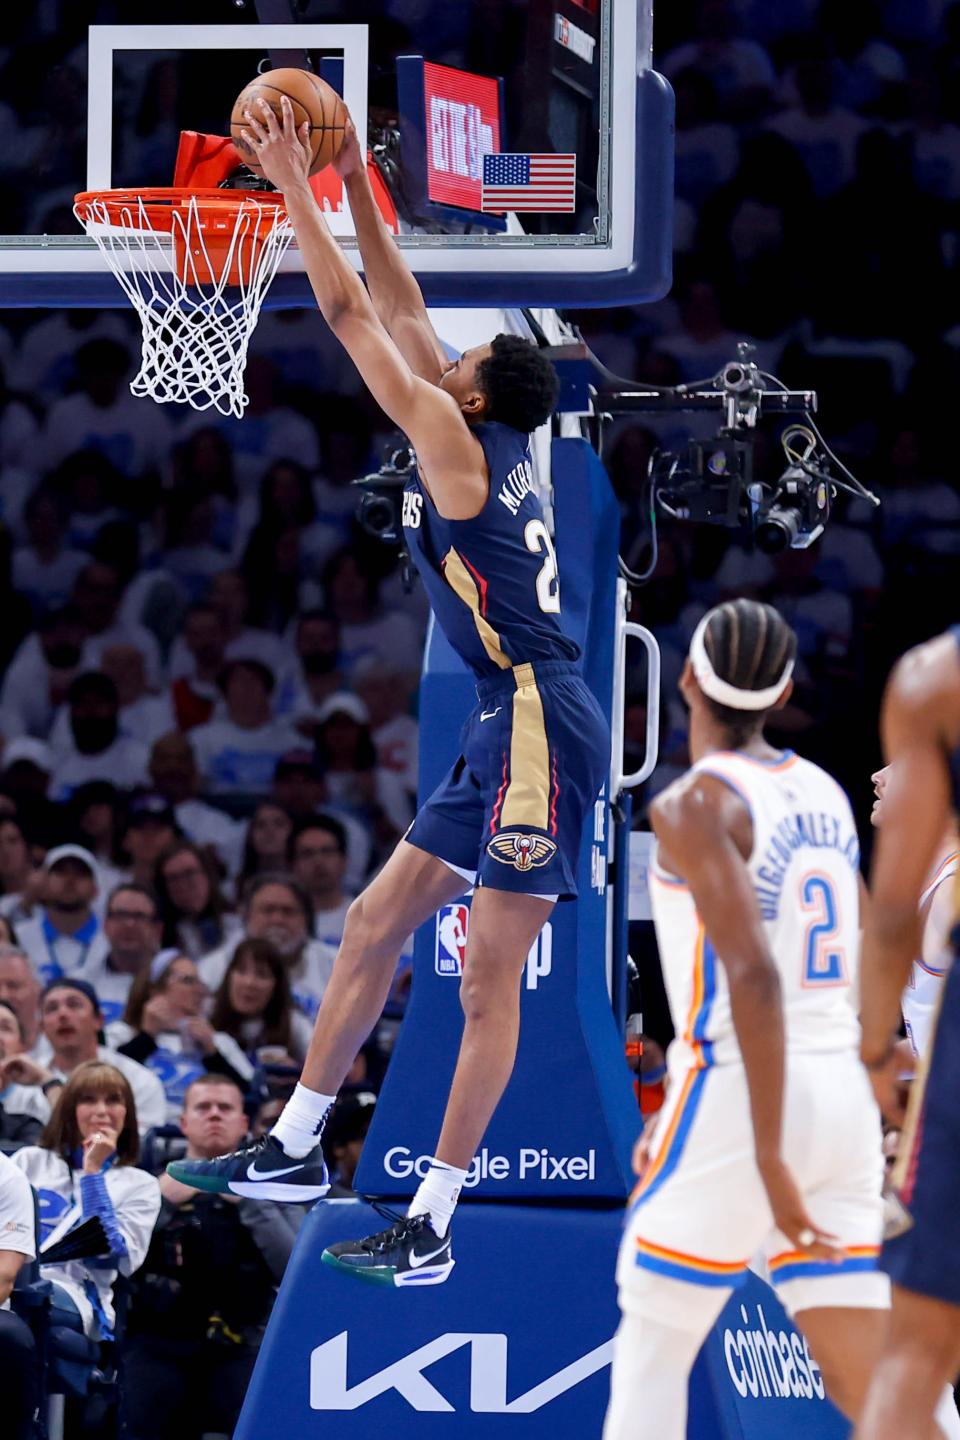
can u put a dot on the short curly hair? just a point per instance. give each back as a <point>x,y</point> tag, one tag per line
<point>519,384</point>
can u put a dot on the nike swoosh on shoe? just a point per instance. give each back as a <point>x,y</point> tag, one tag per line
<point>417,1260</point>
<point>254,1174</point>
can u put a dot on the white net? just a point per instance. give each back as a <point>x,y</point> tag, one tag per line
<point>196,272</point>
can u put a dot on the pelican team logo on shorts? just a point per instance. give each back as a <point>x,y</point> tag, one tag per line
<point>523,852</point>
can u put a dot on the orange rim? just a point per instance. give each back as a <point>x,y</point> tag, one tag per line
<point>158,205</point>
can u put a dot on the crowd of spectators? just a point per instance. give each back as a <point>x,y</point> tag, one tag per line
<point>208,674</point>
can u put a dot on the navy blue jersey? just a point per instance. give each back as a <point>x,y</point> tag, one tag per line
<point>492,580</point>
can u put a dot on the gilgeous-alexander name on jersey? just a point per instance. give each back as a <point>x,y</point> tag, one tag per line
<point>805,872</point>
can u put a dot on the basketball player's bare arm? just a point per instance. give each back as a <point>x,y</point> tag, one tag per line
<point>920,725</point>
<point>704,834</point>
<point>447,451</point>
<point>396,296</point>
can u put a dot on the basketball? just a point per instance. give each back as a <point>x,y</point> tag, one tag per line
<point>312,99</point>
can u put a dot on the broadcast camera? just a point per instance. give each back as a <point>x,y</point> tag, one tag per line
<point>714,481</point>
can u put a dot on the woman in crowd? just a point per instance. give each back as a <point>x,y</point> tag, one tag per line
<point>164,1028</point>
<point>268,835</point>
<point>85,1165</point>
<point>254,1006</point>
<point>196,917</point>
<point>17,871</point>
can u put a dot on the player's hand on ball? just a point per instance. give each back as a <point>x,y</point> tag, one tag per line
<point>790,1214</point>
<point>349,160</point>
<point>282,151</point>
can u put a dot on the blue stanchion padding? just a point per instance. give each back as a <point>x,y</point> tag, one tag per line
<point>567,1122</point>
<point>755,1377</point>
<point>516,1341</point>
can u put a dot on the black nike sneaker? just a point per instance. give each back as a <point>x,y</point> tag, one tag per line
<point>263,1171</point>
<point>410,1252</point>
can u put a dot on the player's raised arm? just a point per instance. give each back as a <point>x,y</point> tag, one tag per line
<point>396,296</point>
<point>924,687</point>
<point>703,833</point>
<point>431,419</point>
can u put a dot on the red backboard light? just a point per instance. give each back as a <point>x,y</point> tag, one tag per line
<point>462,124</point>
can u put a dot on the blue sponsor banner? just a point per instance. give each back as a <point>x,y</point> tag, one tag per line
<point>755,1376</point>
<point>523,1328</point>
<point>567,1122</point>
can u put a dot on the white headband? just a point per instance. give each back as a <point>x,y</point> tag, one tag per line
<point>721,690</point>
<point>161,963</point>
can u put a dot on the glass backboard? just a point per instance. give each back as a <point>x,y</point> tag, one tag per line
<point>526,147</point>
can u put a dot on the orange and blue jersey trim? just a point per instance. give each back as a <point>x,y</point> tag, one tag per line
<point>681,1121</point>
<point>798,1265</point>
<point>722,1274</point>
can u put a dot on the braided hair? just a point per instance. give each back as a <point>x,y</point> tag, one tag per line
<point>749,645</point>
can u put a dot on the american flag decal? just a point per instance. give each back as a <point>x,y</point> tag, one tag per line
<point>542,183</point>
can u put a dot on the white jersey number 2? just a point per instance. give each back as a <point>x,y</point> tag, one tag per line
<point>824,961</point>
<point>538,542</point>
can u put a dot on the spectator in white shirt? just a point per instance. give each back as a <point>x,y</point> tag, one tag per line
<point>175,777</point>
<point>18,1356</point>
<point>278,909</point>
<point>143,715</point>
<point>23,1109</point>
<point>396,735</point>
<point>317,674</point>
<point>65,935</point>
<point>71,1022</point>
<point>96,749</point>
<point>20,988</point>
<point>102,415</point>
<point>45,569</point>
<point>96,599</point>
<point>230,599</point>
<point>84,1164</point>
<point>239,754</point>
<point>318,859</point>
<point>131,926</point>
<point>352,777</point>
<point>40,673</point>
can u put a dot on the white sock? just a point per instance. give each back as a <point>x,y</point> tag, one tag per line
<point>946,1415</point>
<point>301,1121</point>
<point>437,1195</point>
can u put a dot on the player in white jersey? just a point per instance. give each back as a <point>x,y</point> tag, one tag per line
<point>768,1145</point>
<point>921,997</point>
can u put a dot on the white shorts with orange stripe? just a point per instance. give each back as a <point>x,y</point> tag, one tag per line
<point>700,1218</point>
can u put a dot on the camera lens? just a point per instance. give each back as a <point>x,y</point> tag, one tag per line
<point>779,528</point>
<point>378,516</point>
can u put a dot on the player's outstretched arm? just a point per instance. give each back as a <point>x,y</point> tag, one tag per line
<point>703,832</point>
<point>430,418</point>
<point>396,296</point>
<point>924,688</point>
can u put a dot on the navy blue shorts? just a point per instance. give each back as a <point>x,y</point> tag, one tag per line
<point>926,1257</point>
<point>535,753</point>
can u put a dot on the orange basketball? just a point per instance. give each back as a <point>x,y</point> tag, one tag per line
<point>312,99</point>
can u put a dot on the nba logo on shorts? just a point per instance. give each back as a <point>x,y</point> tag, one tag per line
<point>452,921</point>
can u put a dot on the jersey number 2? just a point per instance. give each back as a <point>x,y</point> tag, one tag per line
<point>537,540</point>
<point>823,962</point>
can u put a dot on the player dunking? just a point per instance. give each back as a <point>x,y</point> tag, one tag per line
<point>921,738</point>
<point>509,815</point>
<point>769,1141</point>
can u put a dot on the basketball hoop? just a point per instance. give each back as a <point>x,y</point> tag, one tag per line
<point>196,266</point>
